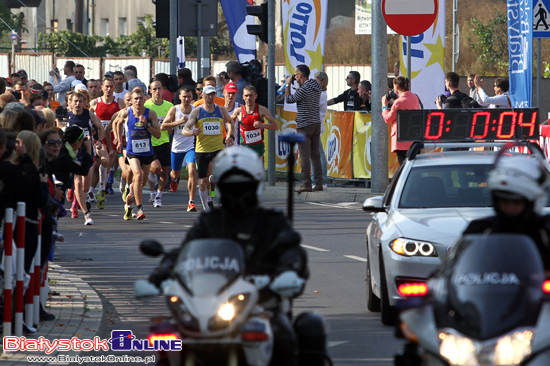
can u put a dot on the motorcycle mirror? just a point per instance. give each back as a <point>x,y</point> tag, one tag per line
<point>288,238</point>
<point>151,248</point>
<point>144,289</point>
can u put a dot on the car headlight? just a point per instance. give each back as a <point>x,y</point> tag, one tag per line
<point>412,248</point>
<point>507,350</point>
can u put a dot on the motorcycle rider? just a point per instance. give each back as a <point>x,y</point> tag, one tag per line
<point>239,178</point>
<point>519,189</point>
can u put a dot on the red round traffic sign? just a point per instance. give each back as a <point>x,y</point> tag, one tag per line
<point>410,17</point>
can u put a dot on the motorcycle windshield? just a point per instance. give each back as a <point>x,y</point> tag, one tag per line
<point>494,284</point>
<point>206,266</point>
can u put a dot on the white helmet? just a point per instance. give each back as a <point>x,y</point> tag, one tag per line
<point>238,164</point>
<point>520,176</point>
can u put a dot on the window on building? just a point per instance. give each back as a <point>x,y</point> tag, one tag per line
<point>104,27</point>
<point>69,24</point>
<point>122,26</point>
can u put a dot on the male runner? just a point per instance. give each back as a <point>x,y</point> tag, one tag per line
<point>252,118</point>
<point>161,146</point>
<point>183,147</point>
<point>118,78</point>
<point>141,124</point>
<point>210,137</point>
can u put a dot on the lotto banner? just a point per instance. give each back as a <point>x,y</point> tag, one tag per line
<point>244,44</point>
<point>287,124</point>
<point>362,148</point>
<point>337,140</point>
<point>427,60</point>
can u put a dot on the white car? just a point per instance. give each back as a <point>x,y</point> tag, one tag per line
<point>425,209</point>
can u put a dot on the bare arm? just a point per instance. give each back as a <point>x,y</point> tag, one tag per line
<point>99,126</point>
<point>272,123</point>
<point>154,127</point>
<point>188,129</point>
<point>230,139</point>
<point>169,121</point>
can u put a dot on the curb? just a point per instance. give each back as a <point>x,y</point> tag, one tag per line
<point>78,311</point>
<point>332,194</point>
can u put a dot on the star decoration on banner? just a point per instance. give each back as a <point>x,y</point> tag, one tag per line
<point>438,53</point>
<point>316,58</point>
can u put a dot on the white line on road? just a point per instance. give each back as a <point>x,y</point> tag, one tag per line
<point>336,343</point>
<point>315,248</point>
<point>166,222</point>
<point>361,259</point>
<point>344,205</point>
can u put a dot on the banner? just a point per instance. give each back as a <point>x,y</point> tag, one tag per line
<point>520,46</point>
<point>427,60</point>
<point>244,44</point>
<point>362,148</point>
<point>363,17</point>
<point>336,139</point>
<point>304,30</point>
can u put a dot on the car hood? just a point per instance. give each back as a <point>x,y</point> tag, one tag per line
<point>440,225</point>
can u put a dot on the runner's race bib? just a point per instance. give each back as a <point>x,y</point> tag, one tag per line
<point>140,146</point>
<point>252,136</point>
<point>160,119</point>
<point>211,128</point>
<point>105,123</point>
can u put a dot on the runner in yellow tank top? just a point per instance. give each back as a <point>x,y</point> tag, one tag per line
<point>206,123</point>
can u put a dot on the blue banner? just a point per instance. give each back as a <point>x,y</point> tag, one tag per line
<point>520,45</point>
<point>244,44</point>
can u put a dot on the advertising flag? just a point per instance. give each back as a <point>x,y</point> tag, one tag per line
<point>427,60</point>
<point>244,44</point>
<point>520,51</point>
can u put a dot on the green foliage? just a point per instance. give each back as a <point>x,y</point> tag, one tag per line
<point>490,44</point>
<point>10,22</point>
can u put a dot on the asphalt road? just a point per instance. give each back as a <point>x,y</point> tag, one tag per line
<point>106,256</point>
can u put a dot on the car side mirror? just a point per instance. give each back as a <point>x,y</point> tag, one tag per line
<point>374,204</point>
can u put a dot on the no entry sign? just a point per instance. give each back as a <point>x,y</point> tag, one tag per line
<point>409,17</point>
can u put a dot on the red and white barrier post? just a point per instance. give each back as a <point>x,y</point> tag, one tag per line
<point>8,270</point>
<point>20,270</point>
<point>37,273</point>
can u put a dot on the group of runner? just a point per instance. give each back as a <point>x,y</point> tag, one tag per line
<point>150,139</point>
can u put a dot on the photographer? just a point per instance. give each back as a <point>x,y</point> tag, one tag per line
<point>398,98</point>
<point>235,72</point>
<point>455,99</point>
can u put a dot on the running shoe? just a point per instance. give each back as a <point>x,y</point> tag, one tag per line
<point>125,192</point>
<point>90,197</point>
<point>122,185</point>
<point>127,212</point>
<point>88,219</point>
<point>157,202</point>
<point>74,213</point>
<point>130,198</point>
<point>110,188</point>
<point>174,185</point>
<point>70,195</point>
<point>140,214</point>
<point>212,189</point>
<point>101,199</point>
<point>152,196</point>
<point>191,207</point>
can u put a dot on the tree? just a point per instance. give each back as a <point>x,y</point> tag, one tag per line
<point>10,22</point>
<point>489,44</point>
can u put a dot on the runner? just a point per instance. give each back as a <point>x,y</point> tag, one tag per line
<point>161,146</point>
<point>252,117</point>
<point>82,117</point>
<point>125,171</point>
<point>120,91</point>
<point>141,123</point>
<point>210,137</point>
<point>183,147</point>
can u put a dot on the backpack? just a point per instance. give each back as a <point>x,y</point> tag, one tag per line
<point>468,102</point>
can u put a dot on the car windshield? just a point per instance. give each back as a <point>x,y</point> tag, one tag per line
<point>447,186</point>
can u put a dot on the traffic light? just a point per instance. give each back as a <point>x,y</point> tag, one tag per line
<point>259,30</point>
<point>162,18</point>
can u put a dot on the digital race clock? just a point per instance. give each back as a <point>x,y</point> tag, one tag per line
<point>467,124</point>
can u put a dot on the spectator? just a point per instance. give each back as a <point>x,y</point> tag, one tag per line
<point>308,122</point>
<point>350,97</point>
<point>35,100</point>
<point>51,103</point>
<point>6,98</point>
<point>365,94</point>
<point>23,121</point>
<point>452,80</point>
<point>167,94</point>
<point>185,78</point>
<point>198,88</point>
<point>31,83</point>
<point>15,77</point>
<point>3,85</point>
<point>62,87</point>
<point>210,80</point>
<point>405,100</point>
<point>502,95</point>
<point>21,87</point>
<point>235,72</point>
<point>23,75</point>
<point>132,81</point>
<point>7,119</point>
<point>322,78</point>
<point>12,180</point>
<point>79,72</point>
<point>221,79</point>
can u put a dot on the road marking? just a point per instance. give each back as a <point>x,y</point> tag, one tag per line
<point>344,205</point>
<point>336,343</point>
<point>315,248</point>
<point>361,259</point>
<point>166,222</point>
<point>363,360</point>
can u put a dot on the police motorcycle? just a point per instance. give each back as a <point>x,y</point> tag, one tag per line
<point>216,310</point>
<point>488,304</point>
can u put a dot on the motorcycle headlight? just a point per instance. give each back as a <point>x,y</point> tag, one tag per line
<point>412,248</point>
<point>228,311</point>
<point>512,348</point>
<point>458,350</point>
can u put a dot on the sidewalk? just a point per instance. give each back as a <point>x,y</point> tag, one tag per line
<point>77,309</point>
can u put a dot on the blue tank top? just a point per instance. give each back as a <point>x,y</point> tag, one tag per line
<point>139,139</point>
<point>81,120</point>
